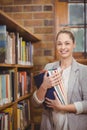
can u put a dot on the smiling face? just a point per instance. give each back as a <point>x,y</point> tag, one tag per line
<point>65,45</point>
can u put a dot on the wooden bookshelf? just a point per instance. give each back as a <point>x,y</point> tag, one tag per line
<point>13,26</point>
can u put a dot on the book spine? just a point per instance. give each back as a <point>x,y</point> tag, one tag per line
<point>3,41</point>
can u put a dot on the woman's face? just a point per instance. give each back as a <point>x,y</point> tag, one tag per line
<point>65,45</point>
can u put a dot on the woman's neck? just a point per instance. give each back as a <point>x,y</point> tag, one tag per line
<point>64,63</point>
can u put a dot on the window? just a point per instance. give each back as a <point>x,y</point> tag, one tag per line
<point>72,14</point>
<point>77,20</point>
<point>76,13</point>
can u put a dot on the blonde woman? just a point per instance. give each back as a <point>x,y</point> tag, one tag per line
<point>72,115</point>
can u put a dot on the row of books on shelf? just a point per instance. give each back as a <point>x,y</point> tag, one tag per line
<point>14,49</point>
<point>23,116</point>
<point>7,85</point>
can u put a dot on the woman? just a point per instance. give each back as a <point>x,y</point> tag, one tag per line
<point>72,115</point>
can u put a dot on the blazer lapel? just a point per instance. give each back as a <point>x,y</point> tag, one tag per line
<point>72,78</point>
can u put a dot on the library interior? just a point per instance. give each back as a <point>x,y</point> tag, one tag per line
<point>28,30</point>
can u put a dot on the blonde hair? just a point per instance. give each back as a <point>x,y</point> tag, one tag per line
<point>66,31</point>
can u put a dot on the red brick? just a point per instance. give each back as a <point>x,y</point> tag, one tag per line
<point>48,8</point>
<point>13,9</point>
<point>47,52</point>
<point>21,2</point>
<point>32,8</point>
<point>6,2</point>
<point>48,22</point>
<point>42,1</point>
<point>49,37</point>
<point>33,23</point>
<point>44,45</point>
<point>38,52</point>
<point>43,30</point>
<point>23,15</point>
<point>43,15</point>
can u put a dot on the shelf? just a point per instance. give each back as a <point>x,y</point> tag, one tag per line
<point>13,26</point>
<point>6,106</point>
<point>24,66</point>
<point>23,97</point>
<point>15,65</point>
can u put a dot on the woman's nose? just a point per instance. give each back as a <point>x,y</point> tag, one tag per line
<point>63,46</point>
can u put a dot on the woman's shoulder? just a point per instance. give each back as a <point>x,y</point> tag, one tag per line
<point>52,65</point>
<point>82,68</point>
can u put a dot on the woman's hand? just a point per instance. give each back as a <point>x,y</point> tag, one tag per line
<point>46,81</point>
<point>57,106</point>
<point>54,104</point>
<point>54,79</point>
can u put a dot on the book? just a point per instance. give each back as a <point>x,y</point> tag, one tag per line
<point>24,82</point>
<point>3,42</point>
<point>0,91</point>
<point>9,111</point>
<point>9,49</point>
<point>38,79</point>
<point>13,44</point>
<point>3,80</point>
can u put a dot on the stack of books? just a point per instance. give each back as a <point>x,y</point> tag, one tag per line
<point>50,92</point>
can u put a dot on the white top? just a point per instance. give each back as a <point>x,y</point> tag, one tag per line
<point>60,118</point>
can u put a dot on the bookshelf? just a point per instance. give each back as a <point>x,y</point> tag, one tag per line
<point>16,84</point>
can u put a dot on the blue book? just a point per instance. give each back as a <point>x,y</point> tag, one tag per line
<point>3,77</point>
<point>38,81</point>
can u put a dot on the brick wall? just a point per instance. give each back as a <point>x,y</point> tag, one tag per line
<point>38,17</point>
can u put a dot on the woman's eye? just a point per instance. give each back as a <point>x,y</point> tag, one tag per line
<point>59,44</point>
<point>67,43</point>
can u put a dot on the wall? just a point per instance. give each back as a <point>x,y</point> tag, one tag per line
<point>38,17</point>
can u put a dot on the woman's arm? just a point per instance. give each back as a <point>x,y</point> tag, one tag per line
<point>40,93</point>
<point>57,106</point>
<point>68,108</point>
